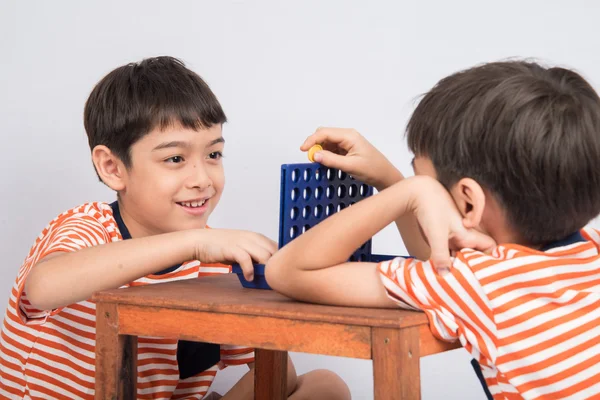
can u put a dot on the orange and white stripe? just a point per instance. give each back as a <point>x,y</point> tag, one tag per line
<point>530,318</point>
<point>50,354</point>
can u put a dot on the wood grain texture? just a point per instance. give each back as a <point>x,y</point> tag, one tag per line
<point>270,375</point>
<point>245,330</point>
<point>116,357</point>
<point>224,294</point>
<point>218,310</point>
<point>396,370</point>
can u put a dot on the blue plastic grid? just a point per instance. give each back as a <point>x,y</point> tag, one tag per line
<point>310,193</point>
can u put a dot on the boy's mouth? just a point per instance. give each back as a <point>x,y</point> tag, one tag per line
<point>194,207</point>
<point>192,204</point>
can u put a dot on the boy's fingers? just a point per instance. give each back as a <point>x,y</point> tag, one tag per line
<point>438,243</point>
<point>308,143</point>
<point>260,254</point>
<point>324,136</point>
<point>331,160</point>
<point>267,244</point>
<point>245,261</point>
<point>441,259</point>
<point>477,241</point>
<point>273,246</point>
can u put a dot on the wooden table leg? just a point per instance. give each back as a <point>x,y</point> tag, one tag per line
<point>116,357</point>
<point>270,374</point>
<point>396,369</point>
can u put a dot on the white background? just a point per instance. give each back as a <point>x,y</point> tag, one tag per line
<point>280,69</point>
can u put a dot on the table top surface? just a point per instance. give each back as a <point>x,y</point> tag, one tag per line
<point>225,294</point>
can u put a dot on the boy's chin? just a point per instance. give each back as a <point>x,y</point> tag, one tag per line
<point>199,225</point>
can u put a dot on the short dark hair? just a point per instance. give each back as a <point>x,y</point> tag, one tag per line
<point>136,98</point>
<point>528,134</point>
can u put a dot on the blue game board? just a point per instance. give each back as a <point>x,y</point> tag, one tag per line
<point>310,193</point>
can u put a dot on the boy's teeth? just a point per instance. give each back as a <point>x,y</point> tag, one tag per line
<point>194,203</point>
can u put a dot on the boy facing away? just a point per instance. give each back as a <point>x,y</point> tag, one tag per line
<point>154,129</point>
<point>507,176</point>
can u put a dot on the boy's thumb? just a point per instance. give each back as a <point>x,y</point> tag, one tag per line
<point>440,258</point>
<point>437,239</point>
<point>478,241</point>
<point>331,160</point>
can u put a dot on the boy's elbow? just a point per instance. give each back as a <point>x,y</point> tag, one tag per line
<point>280,273</point>
<point>273,273</point>
<point>39,285</point>
<point>35,293</point>
<point>284,276</point>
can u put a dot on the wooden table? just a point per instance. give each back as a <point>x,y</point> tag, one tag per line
<point>198,310</point>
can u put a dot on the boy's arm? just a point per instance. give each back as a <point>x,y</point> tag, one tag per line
<point>407,224</point>
<point>349,151</point>
<point>63,278</point>
<point>313,268</point>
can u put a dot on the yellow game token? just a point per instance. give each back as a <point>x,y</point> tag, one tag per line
<point>313,150</point>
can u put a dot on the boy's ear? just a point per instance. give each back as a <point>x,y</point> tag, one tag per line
<point>470,200</point>
<point>109,167</point>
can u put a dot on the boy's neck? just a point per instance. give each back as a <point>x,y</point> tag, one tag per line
<point>509,238</point>
<point>135,229</point>
<point>495,224</point>
<point>502,235</point>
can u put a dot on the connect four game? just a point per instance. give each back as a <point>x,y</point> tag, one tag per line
<point>309,194</point>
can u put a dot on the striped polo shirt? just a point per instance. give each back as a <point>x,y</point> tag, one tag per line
<point>50,353</point>
<point>530,318</point>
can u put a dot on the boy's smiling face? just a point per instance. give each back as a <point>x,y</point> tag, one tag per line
<point>174,182</point>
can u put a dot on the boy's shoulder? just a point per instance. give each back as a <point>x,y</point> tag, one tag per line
<point>86,225</point>
<point>96,209</point>
<point>93,221</point>
<point>100,212</point>
<point>585,244</point>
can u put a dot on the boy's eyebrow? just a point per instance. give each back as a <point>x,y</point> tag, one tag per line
<point>174,143</point>
<point>219,140</point>
<point>179,143</point>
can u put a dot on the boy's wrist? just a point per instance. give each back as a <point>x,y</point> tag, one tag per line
<point>182,246</point>
<point>425,190</point>
<point>413,188</point>
<point>390,177</point>
<point>193,241</point>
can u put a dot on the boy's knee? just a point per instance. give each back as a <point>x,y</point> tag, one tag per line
<point>292,377</point>
<point>326,384</point>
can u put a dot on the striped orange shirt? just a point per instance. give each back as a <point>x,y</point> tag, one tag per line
<point>50,354</point>
<point>530,318</point>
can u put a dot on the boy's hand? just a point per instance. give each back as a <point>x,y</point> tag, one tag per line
<point>442,224</point>
<point>233,246</point>
<point>347,150</point>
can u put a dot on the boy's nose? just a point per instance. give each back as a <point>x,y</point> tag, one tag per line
<point>199,178</point>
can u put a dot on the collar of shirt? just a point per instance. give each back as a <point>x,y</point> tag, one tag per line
<point>126,235</point>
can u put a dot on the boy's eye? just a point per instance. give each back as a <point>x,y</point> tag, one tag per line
<point>216,155</point>
<point>174,159</point>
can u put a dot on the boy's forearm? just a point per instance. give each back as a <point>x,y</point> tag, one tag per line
<point>332,241</point>
<point>411,236</point>
<point>407,224</point>
<point>67,278</point>
<point>389,178</point>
